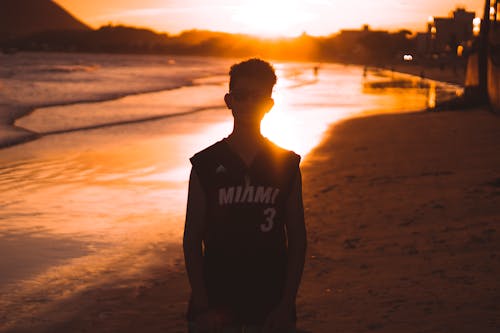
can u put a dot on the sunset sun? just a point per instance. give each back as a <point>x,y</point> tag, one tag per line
<point>271,18</point>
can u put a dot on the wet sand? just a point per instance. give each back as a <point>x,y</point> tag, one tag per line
<point>446,74</point>
<point>402,213</point>
<point>10,135</point>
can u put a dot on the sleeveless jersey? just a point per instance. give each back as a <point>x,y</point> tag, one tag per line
<point>245,247</point>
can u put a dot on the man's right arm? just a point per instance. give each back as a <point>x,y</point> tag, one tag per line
<point>192,242</point>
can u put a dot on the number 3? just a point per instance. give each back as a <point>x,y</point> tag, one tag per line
<point>269,214</point>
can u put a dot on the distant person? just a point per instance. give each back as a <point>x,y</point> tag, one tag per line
<point>245,236</point>
<point>422,83</point>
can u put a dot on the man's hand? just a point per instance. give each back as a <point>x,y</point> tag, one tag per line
<point>280,320</point>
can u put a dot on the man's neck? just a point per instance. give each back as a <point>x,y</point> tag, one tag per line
<point>246,142</point>
<point>246,135</point>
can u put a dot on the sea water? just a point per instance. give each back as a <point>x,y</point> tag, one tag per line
<point>101,192</point>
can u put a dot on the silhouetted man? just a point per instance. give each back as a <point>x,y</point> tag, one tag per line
<point>245,236</point>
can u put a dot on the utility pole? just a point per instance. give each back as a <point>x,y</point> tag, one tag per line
<point>483,54</point>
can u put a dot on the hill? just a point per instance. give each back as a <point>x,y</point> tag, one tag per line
<point>19,18</point>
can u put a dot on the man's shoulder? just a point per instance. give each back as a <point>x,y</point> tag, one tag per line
<point>281,153</point>
<point>208,153</point>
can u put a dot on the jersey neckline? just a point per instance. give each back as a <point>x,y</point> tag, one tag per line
<point>234,155</point>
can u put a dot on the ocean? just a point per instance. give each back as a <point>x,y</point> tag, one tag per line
<point>100,188</point>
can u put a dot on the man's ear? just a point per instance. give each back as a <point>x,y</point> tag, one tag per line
<point>269,104</point>
<point>228,100</point>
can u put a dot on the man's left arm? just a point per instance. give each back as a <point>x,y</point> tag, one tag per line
<point>297,242</point>
<point>280,318</point>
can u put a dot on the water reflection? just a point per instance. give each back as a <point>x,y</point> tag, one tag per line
<point>430,92</point>
<point>296,129</point>
<point>431,95</point>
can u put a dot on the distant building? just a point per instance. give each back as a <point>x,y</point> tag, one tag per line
<point>355,35</point>
<point>446,34</point>
<point>369,46</point>
<point>422,41</point>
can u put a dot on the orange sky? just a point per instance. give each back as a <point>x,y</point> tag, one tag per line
<point>265,17</point>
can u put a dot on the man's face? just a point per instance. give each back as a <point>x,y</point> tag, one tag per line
<point>249,100</point>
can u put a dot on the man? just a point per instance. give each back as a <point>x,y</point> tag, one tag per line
<point>245,236</point>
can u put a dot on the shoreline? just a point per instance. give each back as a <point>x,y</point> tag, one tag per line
<point>11,135</point>
<point>446,75</point>
<point>398,241</point>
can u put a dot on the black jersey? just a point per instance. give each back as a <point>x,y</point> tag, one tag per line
<point>245,247</point>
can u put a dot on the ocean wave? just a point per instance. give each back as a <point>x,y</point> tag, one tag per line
<point>123,110</point>
<point>129,121</point>
<point>19,124</point>
<point>68,68</point>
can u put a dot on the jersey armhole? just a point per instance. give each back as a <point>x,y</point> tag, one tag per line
<point>197,168</point>
<point>293,171</point>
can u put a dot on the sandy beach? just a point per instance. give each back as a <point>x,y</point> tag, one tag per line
<point>402,213</point>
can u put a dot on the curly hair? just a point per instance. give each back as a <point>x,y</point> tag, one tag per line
<point>253,68</point>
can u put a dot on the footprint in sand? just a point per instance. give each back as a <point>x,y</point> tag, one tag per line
<point>351,243</point>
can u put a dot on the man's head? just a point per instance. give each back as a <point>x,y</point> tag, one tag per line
<point>250,88</point>
<point>256,69</point>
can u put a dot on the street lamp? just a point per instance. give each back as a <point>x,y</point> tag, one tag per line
<point>476,26</point>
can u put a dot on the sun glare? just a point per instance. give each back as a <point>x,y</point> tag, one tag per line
<point>271,18</point>
<point>283,127</point>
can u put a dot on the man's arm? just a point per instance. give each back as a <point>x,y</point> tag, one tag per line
<point>280,318</point>
<point>297,242</point>
<point>192,242</point>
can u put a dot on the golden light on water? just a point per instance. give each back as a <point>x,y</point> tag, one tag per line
<point>292,127</point>
<point>431,99</point>
<point>287,131</point>
<point>279,127</point>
